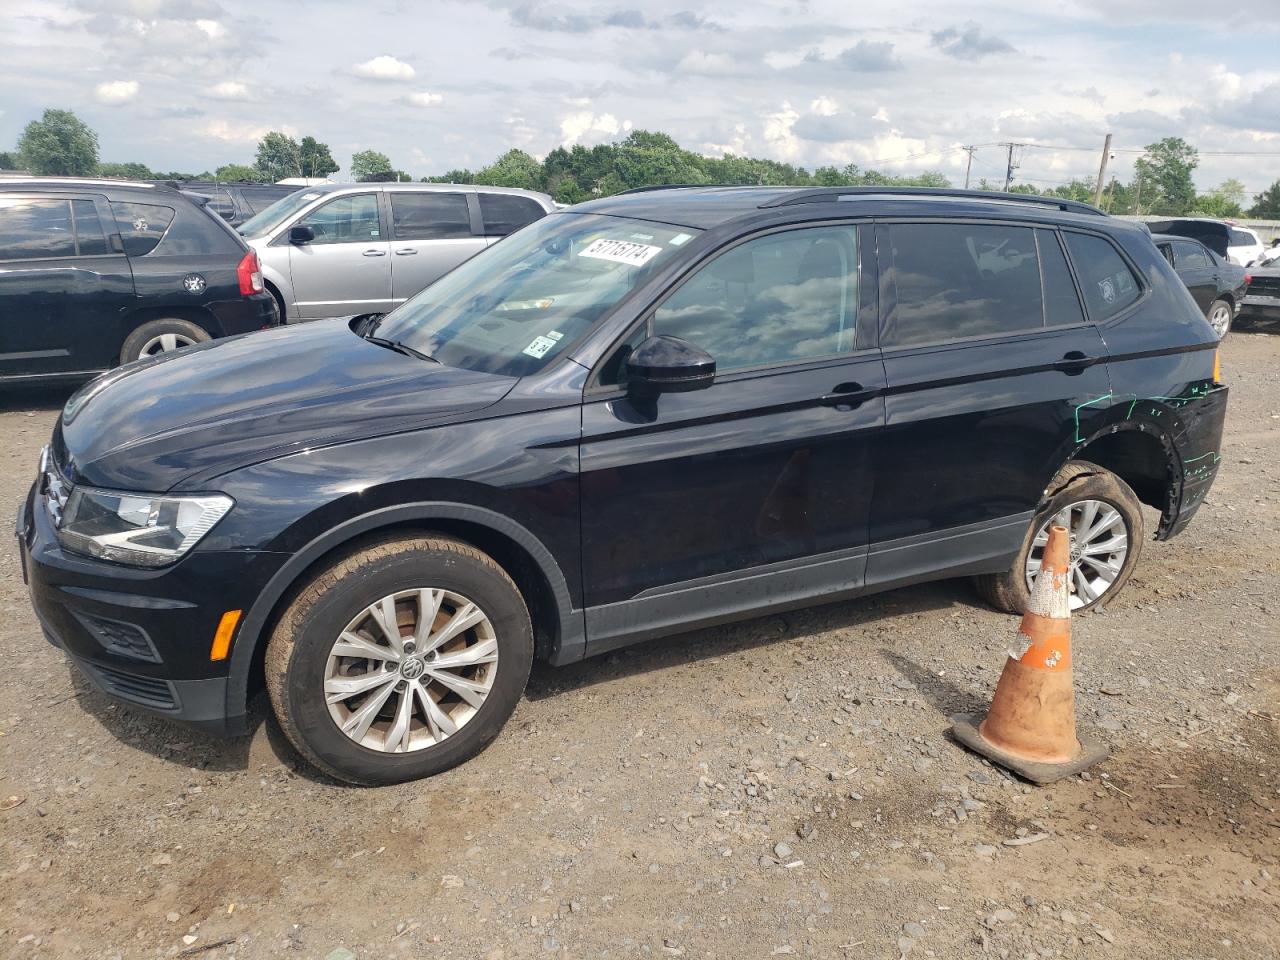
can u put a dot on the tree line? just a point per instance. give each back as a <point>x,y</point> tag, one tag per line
<point>60,144</point>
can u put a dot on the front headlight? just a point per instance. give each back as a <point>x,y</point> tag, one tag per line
<point>137,528</point>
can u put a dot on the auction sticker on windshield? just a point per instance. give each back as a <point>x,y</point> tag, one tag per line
<point>621,251</point>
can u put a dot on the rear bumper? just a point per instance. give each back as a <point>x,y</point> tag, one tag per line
<point>1264,308</point>
<point>247,314</point>
<point>1198,447</point>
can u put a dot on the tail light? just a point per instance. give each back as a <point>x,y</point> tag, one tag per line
<point>249,273</point>
<point>1248,279</point>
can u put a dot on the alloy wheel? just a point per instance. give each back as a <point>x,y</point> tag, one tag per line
<point>164,343</point>
<point>1220,319</point>
<point>410,670</point>
<point>1099,548</point>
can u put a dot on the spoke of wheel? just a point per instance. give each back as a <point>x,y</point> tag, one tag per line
<point>1084,588</point>
<point>428,607</point>
<point>384,614</point>
<point>353,645</point>
<point>484,652</point>
<point>1088,511</point>
<point>168,341</point>
<point>464,619</point>
<point>358,723</point>
<point>341,688</point>
<point>470,691</point>
<point>1042,537</point>
<point>1108,568</point>
<point>397,740</point>
<point>1116,544</point>
<point>438,722</point>
<point>1108,521</point>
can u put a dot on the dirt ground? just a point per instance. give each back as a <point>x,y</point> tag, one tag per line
<point>783,787</point>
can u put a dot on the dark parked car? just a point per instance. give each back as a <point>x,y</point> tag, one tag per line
<point>1216,284</point>
<point>99,272</point>
<point>234,202</point>
<point>644,414</point>
<point>1262,293</point>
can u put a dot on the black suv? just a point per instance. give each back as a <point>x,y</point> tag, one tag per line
<point>234,202</point>
<point>648,413</point>
<point>99,272</point>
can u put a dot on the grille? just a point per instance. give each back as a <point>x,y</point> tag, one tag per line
<point>146,691</point>
<point>1264,286</point>
<point>123,639</point>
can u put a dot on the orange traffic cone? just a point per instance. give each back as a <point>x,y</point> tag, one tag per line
<point>1031,726</point>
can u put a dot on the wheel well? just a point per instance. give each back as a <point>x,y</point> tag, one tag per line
<point>1136,457</point>
<point>511,556</point>
<point>197,315</point>
<point>275,292</point>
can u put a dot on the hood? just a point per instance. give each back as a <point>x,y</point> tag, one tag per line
<point>1212,234</point>
<point>201,412</point>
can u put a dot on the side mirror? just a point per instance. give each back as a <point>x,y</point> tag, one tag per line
<point>669,365</point>
<point>301,234</point>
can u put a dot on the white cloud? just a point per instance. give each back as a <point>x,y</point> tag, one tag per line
<point>824,107</point>
<point>778,134</point>
<point>211,28</point>
<point>424,98</point>
<point>230,132</point>
<point>116,91</point>
<point>229,90</point>
<point>708,64</point>
<point>383,68</point>
<point>584,123</point>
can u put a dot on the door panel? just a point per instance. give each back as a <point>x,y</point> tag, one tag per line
<point>1198,272</point>
<point>431,234</point>
<point>61,310</point>
<point>756,470</point>
<point>346,270</point>
<point>975,426</point>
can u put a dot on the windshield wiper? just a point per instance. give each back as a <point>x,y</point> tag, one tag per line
<point>399,347</point>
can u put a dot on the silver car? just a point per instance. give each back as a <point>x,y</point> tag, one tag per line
<point>340,250</point>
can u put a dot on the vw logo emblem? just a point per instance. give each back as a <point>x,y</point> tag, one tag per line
<point>413,668</point>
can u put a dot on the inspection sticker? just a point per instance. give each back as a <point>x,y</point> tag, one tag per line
<point>621,251</point>
<point>540,347</point>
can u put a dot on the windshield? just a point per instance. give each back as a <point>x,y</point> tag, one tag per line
<point>277,213</point>
<point>524,301</point>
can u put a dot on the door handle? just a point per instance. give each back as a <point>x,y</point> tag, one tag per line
<point>848,396</point>
<point>1074,362</point>
<point>375,253</point>
<point>406,252</point>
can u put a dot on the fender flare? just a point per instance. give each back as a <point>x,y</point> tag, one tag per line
<point>572,640</point>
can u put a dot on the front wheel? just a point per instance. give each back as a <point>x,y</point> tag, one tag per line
<point>1219,317</point>
<point>1104,517</point>
<point>400,661</point>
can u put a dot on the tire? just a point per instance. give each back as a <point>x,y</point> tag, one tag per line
<point>1076,484</point>
<point>161,336</point>
<point>1219,316</point>
<point>305,667</point>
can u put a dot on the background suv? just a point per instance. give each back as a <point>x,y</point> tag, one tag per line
<point>99,272</point>
<point>235,202</point>
<point>342,250</point>
<point>648,413</point>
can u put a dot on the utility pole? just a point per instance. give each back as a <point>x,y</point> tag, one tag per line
<point>968,165</point>
<point>1137,197</point>
<point>1008,176</point>
<point>1102,171</point>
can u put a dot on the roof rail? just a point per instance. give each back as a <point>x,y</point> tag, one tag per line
<point>681,186</point>
<point>823,194</point>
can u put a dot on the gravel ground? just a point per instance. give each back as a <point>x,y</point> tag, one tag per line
<point>812,806</point>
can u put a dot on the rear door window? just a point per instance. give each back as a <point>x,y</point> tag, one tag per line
<point>958,280</point>
<point>505,213</point>
<point>1191,256</point>
<point>141,225</point>
<point>1108,282</point>
<point>32,229</point>
<point>430,216</point>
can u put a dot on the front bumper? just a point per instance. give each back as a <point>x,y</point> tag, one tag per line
<point>142,636</point>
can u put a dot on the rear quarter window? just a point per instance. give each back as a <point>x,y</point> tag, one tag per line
<point>505,213</point>
<point>141,225</point>
<point>1109,283</point>
<point>184,230</point>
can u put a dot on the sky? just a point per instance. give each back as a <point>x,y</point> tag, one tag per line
<point>901,87</point>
